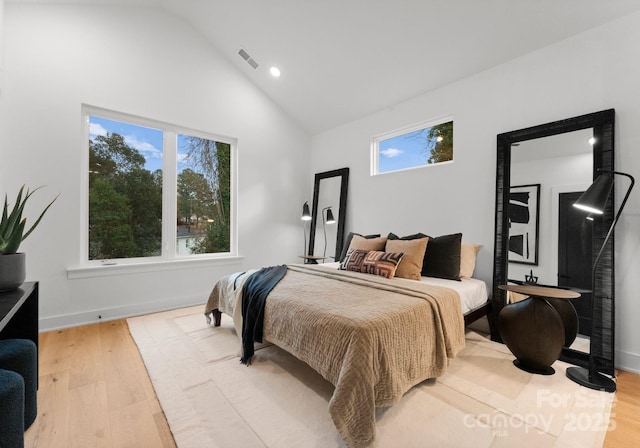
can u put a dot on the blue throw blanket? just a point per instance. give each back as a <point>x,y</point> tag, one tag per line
<point>254,295</point>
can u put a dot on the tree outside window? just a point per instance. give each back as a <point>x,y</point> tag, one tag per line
<point>204,194</point>
<point>414,147</point>
<point>126,192</point>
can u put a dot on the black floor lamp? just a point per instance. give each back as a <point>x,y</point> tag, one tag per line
<point>593,201</point>
<point>329,220</point>
<point>306,216</point>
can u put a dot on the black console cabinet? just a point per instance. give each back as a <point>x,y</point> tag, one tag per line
<point>19,313</point>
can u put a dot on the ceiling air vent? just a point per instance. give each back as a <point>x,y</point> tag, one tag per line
<point>247,57</point>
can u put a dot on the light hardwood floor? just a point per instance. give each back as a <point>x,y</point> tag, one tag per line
<point>625,413</point>
<point>95,392</point>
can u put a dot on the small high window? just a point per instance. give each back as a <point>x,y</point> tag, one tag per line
<point>418,146</point>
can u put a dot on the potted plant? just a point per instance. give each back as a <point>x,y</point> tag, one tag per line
<point>12,233</point>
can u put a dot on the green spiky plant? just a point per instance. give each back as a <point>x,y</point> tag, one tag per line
<point>12,225</point>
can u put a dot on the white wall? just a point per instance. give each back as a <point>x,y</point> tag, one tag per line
<point>1,41</point>
<point>2,184</point>
<point>593,71</point>
<point>151,64</point>
<point>569,173</point>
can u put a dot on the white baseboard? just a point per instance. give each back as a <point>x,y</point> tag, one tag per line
<point>629,362</point>
<point>107,314</point>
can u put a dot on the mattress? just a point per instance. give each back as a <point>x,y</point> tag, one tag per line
<point>472,291</point>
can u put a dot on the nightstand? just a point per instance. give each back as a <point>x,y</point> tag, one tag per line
<point>312,259</point>
<point>536,329</point>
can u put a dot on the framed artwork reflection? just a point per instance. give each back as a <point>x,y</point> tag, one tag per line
<point>524,223</point>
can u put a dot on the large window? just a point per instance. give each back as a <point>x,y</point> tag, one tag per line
<point>414,147</point>
<point>155,191</point>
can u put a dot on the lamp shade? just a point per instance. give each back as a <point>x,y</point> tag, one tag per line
<point>306,214</point>
<point>595,198</point>
<point>330,218</point>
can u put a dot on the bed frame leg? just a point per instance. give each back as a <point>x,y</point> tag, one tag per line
<point>217,315</point>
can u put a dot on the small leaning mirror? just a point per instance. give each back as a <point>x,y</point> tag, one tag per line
<point>328,214</point>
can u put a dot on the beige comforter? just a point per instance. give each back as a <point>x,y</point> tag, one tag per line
<point>371,337</point>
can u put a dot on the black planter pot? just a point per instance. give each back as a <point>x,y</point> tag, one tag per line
<point>12,271</point>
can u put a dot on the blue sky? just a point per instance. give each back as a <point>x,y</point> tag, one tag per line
<point>146,140</point>
<point>403,151</point>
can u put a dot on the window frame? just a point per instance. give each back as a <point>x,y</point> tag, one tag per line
<point>169,195</point>
<point>375,145</point>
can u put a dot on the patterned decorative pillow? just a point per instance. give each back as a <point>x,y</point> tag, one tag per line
<point>374,262</point>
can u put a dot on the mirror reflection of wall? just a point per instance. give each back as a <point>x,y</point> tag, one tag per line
<point>559,164</point>
<point>328,196</point>
<point>563,167</point>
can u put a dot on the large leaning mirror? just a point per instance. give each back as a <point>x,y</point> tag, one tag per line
<point>328,214</point>
<point>540,237</point>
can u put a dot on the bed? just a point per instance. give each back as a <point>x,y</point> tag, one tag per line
<point>472,291</point>
<point>372,337</point>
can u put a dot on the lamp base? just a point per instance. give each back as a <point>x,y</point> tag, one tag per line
<point>593,380</point>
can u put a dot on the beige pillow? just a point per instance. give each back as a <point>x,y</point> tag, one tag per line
<point>360,243</point>
<point>468,254</point>
<point>411,264</point>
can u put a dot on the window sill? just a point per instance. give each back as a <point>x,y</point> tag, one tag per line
<point>145,267</point>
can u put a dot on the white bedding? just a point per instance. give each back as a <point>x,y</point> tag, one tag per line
<point>472,292</point>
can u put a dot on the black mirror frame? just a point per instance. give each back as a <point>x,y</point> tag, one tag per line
<point>603,124</point>
<point>342,211</point>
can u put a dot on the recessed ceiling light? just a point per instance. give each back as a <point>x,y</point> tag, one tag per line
<point>275,71</point>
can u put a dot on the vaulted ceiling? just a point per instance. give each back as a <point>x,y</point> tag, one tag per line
<point>344,59</point>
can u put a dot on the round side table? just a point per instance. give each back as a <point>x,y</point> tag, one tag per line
<point>312,259</point>
<point>536,329</point>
